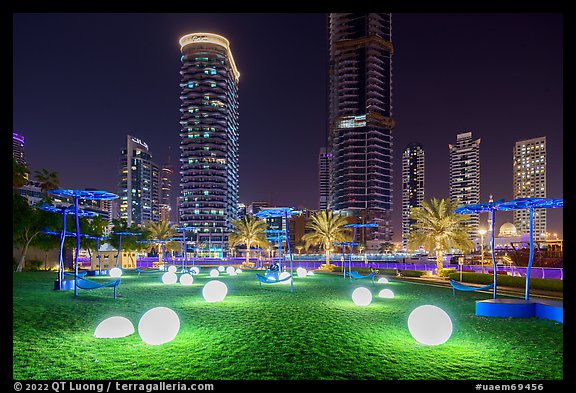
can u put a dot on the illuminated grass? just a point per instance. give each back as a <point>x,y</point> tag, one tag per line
<point>313,333</point>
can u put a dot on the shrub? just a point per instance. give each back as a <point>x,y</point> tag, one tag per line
<point>510,281</point>
<point>412,273</point>
<point>33,265</point>
<point>446,272</point>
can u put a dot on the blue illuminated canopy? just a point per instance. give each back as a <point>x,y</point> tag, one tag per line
<point>346,243</point>
<point>277,212</point>
<point>531,203</point>
<point>185,228</point>
<point>94,195</point>
<point>478,207</point>
<point>371,225</point>
<point>67,210</point>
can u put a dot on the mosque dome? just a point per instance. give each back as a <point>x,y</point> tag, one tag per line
<point>507,229</point>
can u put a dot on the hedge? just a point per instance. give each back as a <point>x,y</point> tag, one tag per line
<point>510,281</point>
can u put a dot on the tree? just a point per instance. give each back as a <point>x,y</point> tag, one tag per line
<point>326,228</point>
<point>386,248</point>
<point>129,243</point>
<point>161,231</point>
<point>248,230</point>
<point>437,227</point>
<point>19,174</point>
<point>48,180</point>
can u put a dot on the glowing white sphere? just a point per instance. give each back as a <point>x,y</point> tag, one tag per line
<point>214,273</point>
<point>186,279</point>
<point>169,278</point>
<point>386,293</point>
<point>220,268</point>
<point>310,273</point>
<point>230,270</point>
<point>430,325</point>
<point>214,291</point>
<point>158,326</point>
<point>301,272</point>
<point>382,280</point>
<point>114,327</point>
<point>115,272</point>
<point>238,271</point>
<point>362,296</point>
<point>172,269</point>
<point>284,275</point>
<point>195,270</point>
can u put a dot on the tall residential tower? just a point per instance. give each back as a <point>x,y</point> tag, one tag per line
<point>208,139</point>
<point>412,185</point>
<point>360,119</point>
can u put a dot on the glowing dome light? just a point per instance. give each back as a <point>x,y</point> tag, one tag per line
<point>214,273</point>
<point>220,268</point>
<point>214,291</point>
<point>195,270</point>
<point>238,271</point>
<point>310,273</point>
<point>172,269</point>
<point>158,326</point>
<point>186,279</point>
<point>430,325</point>
<point>362,296</point>
<point>382,280</point>
<point>386,293</point>
<point>114,327</point>
<point>284,275</point>
<point>301,272</point>
<point>230,269</point>
<point>115,272</point>
<point>169,278</point>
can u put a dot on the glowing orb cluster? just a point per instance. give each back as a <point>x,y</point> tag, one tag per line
<point>214,273</point>
<point>172,269</point>
<point>158,326</point>
<point>186,279</point>
<point>169,278</point>
<point>115,272</point>
<point>362,296</point>
<point>214,291</point>
<point>430,325</point>
<point>114,327</point>
<point>301,272</point>
<point>382,280</point>
<point>386,293</point>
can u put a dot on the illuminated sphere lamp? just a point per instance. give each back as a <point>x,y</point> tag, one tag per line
<point>115,272</point>
<point>310,273</point>
<point>186,279</point>
<point>114,327</point>
<point>386,294</point>
<point>284,275</point>
<point>230,270</point>
<point>158,326</point>
<point>195,270</point>
<point>383,280</point>
<point>169,278</point>
<point>172,269</point>
<point>214,273</point>
<point>301,272</point>
<point>362,296</point>
<point>221,268</point>
<point>214,291</point>
<point>238,271</point>
<point>430,325</point>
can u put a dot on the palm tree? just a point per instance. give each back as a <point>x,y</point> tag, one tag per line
<point>248,230</point>
<point>19,174</point>
<point>437,227</point>
<point>326,228</point>
<point>161,231</point>
<point>48,180</point>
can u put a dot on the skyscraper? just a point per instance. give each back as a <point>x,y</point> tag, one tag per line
<point>412,185</point>
<point>529,166</point>
<point>465,176</point>
<point>324,168</point>
<point>139,183</point>
<point>18,148</point>
<point>209,144</point>
<point>360,119</point>
<point>165,207</point>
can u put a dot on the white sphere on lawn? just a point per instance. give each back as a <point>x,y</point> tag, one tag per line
<point>310,273</point>
<point>382,280</point>
<point>362,296</point>
<point>238,271</point>
<point>386,293</point>
<point>214,273</point>
<point>430,325</point>
<point>195,270</point>
<point>158,326</point>
<point>301,272</point>
<point>220,268</point>
<point>214,291</point>
<point>172,269</point>
<point>186,279</point>
<point>284,275</point>
<point>230,269</point>
<point>115,272</point>
<point>114,327</point>
<point>169,278</point>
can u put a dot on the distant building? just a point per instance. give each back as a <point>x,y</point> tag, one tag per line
<point>325,169</point>
<point>529,166</point>
<point>242,211</point>
<point>165,207</point>
<point>465,176</point>
<point>139,183</point>
<point>412,185</point>
<point>18,148</point>
<point>255,207</point>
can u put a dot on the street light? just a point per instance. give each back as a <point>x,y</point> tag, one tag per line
<point>482,232</point>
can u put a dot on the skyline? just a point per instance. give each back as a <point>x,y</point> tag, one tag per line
<point>451,74</point>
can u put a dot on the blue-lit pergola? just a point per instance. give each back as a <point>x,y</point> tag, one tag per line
<point>515,204</point>
<point>183,229</point>
<point>93,195</point>
<point>355,226</point>
<point>64,211</point>
<point>344,244</point>
<point>276,235</point>
<point>282,212</point>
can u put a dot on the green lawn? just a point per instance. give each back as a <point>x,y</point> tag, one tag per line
<point>313,333</point>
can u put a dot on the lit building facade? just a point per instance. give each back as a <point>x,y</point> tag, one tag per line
<point>465,176</point>
<point>325,169</point>
<point>139,184</point>
<point>209,182</point>
<point>165,207</point>
<point>18,148</point>
<point>412,185</point>
<point>360,119</point>
<point>529,166</point>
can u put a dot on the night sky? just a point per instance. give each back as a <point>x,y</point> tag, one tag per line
<point>82,82</point>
